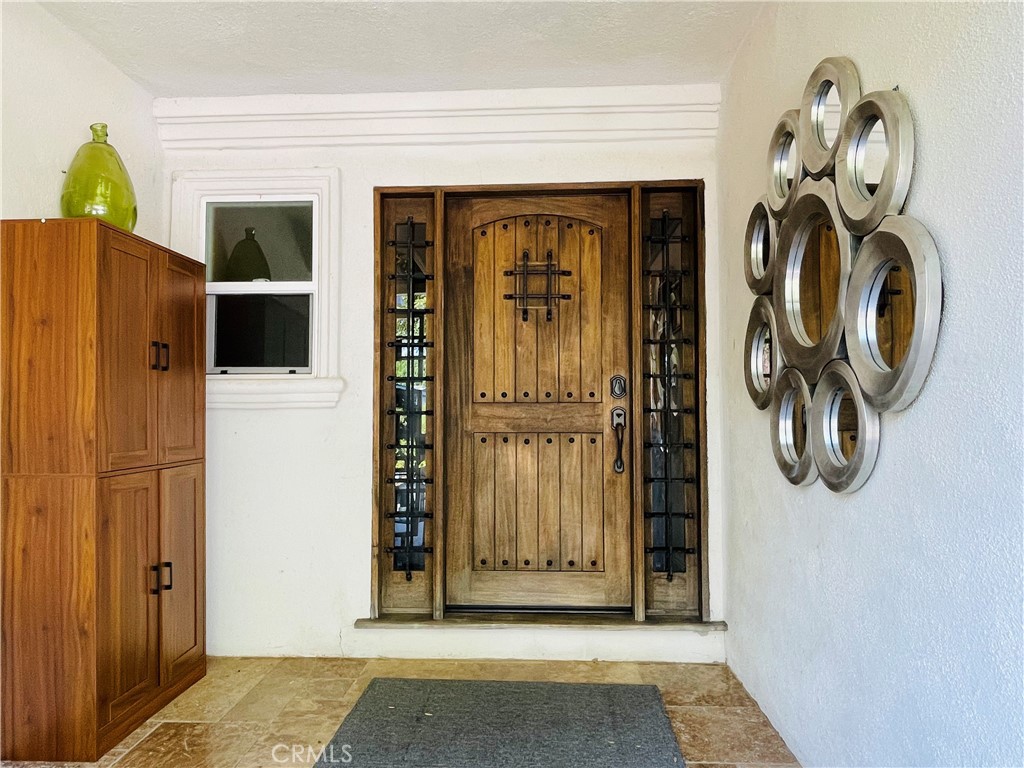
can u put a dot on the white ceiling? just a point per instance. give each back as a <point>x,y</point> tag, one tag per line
<point>255,48</point>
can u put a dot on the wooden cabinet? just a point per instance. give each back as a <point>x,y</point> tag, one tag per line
<point>103,522</point>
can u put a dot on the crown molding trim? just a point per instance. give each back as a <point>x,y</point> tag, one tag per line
<point>550,115</point>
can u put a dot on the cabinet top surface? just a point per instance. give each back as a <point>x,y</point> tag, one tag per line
<point>88,222</point>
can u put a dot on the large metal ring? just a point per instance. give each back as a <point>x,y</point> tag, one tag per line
<point>862,210</point>
<point>816,204</point>
<point>840,474</point>
<point>784,151</point>
<point>761,346</point>
<point>899,242</point>
<point>798,468</point>
<point>839,73</point>
<point>759,248</point>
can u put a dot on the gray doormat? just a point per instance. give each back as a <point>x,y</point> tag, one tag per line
<point>400,723</point>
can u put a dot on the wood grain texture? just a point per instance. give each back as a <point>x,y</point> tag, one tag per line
<point>526,502</point>
<point>569,313</point>
<point>483,314</point>
<point>48,311</point>
<point>549,544</point>
<point>128,317</point>
<point>571,501</point>
<point>128,600</point>
<point>80,306</point>
<point>483,501</point>
<point>182,388</point>
<point>526,327</point>
<point>49,624</point>
<point>541,519</point>
<point>183,583</point>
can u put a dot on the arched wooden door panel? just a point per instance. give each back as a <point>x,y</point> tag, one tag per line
<point>537,473</point>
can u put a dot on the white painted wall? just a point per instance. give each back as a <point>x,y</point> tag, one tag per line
<point>289,490</point>
<point>55,85</point>
<point>884,628</point>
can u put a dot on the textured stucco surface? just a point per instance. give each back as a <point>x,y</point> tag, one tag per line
<point>884,628</point>
<point>231,49</point>
<point>54,86</point>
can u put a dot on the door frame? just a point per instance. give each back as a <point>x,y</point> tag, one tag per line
<point>434,197</point>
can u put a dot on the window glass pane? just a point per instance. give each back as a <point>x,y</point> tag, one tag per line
<point>257,241</point>
<point>262,331</point>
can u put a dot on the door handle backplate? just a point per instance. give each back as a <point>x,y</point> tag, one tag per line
<point>619,425</point>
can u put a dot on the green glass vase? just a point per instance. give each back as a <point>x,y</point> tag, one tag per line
<point>97,184</point>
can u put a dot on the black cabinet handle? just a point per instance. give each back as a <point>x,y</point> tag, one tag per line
<point>170,577</point>
<point>167,356</point>
<point>155,346</point>
<point>156,579</point>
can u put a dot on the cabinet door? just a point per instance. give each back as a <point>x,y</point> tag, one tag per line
<point>182,377</point>
<point>128,633</point>
<point>182,556</point>
<point>126,357</point>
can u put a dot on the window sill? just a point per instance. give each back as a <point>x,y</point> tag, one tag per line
<point>248,392</point>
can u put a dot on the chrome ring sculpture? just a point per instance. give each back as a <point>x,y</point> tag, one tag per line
<point>762,346</point>
<point>841,474</point>
<point>797,466</point>
<point>829,184</point>
<point>783,156</point>
<point>815,204</point>
<point>838,73</point>
<point>862,209</point>
<point>903,243</point>
<point>759,264</point>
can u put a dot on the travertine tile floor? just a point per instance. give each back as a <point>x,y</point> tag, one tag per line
<point>244,710</point>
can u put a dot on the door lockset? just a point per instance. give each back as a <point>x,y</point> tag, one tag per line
<point>619,425</point>
<point>618,386</point>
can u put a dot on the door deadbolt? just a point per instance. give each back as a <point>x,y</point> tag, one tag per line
<point>618,386</point>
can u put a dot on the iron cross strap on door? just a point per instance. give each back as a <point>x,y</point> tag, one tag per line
<point>547,269</point>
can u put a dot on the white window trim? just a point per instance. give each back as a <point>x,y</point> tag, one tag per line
<point>190,191</point>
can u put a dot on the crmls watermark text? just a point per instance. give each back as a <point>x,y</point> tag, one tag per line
<point>307,754</point>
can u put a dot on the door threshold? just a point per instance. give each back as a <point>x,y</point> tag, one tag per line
<point>532,620</point>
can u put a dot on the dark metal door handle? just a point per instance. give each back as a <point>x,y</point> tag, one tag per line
<point>619,425</point>
<point>156,579</point>
<point>155,346</point>
<point>166,355</point>
<point>170,577</point>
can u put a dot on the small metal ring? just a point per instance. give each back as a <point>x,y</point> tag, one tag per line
<point>863,211</point>
<point>838,473</point>
<point>758,266</point>
<point>837,72</point>
<point>761,330</point>
<point>799,469</point>
<point>784,150</point>
<point>904,242</point>
<point>817,201</point>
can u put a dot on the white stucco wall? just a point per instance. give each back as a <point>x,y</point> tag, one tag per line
<point>289,491</point>
<point>884,628</point>
<point>55,85</point>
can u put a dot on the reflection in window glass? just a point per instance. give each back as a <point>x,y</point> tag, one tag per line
<point>248,241</point>
<point>262,331</point>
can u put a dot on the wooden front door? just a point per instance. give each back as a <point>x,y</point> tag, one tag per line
<point>537,454</point>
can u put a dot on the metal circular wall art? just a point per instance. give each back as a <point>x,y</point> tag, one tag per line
<point>864,207</point>
<point>801,256</point>
<point>831,92</point>
<point>785,168</point>
<point>791,405</point>
<point>844,430</point>
<point>762,353</point>
<point>760,240</point>
<point>849,291</point>
<point>900,245</point>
